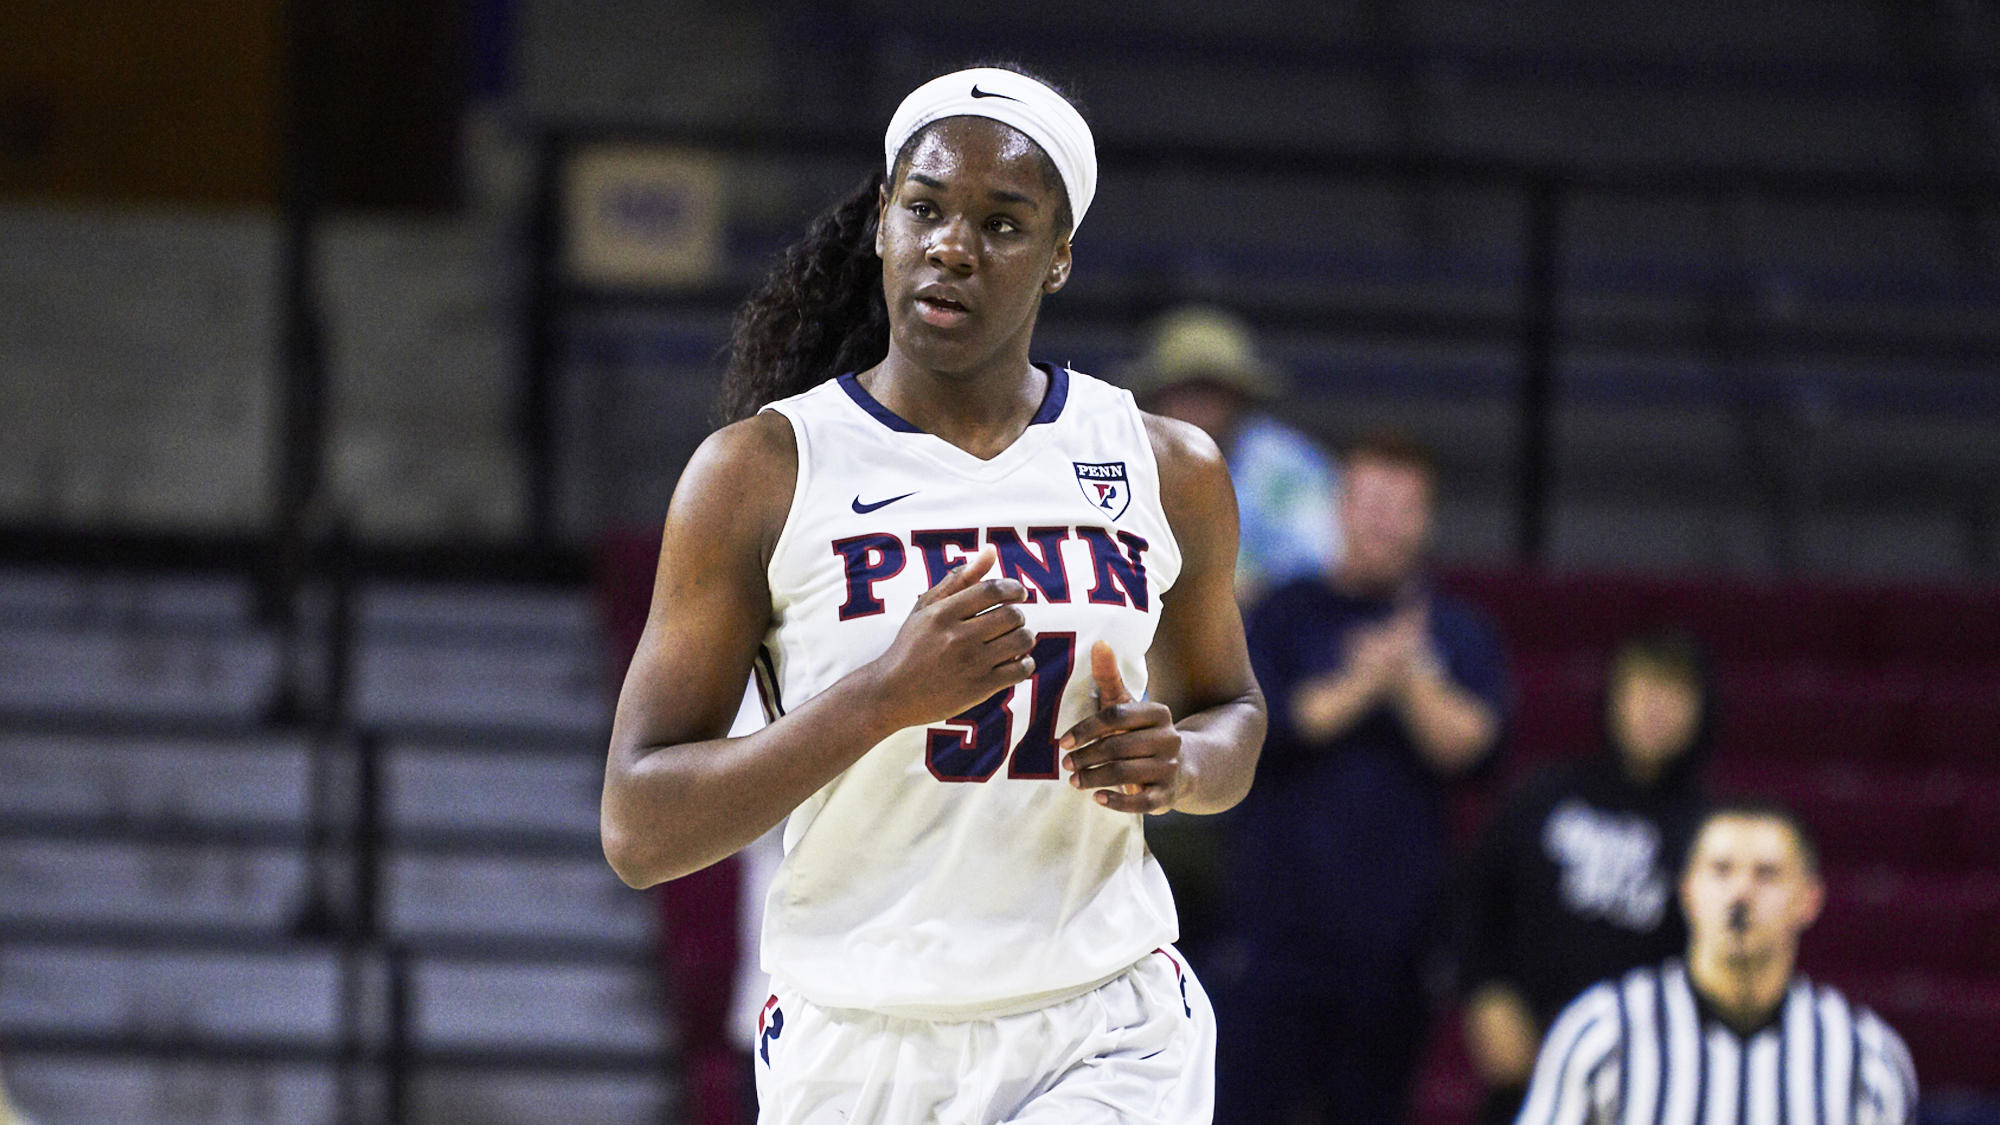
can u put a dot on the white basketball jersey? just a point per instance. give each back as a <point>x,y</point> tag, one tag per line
<point>953,872</point>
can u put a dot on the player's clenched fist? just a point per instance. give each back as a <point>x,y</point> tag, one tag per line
<point>964,641</point>
<point>1129,750</point>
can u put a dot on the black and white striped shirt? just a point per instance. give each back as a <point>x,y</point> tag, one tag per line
<point>1641,1051</point>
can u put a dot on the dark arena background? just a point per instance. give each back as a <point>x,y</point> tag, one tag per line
<point>349,353</point>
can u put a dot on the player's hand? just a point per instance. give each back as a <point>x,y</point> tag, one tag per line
<point>964,641</point>
<point>1129,750</point>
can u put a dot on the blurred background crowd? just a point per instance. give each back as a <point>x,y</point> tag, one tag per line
<point>1610,390</point>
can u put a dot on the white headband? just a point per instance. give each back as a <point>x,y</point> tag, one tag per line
<point>1011,99</point>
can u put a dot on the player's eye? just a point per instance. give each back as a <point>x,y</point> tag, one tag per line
<point>922,210</point>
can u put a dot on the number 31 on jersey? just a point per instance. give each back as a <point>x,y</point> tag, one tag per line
<point>975,752</point>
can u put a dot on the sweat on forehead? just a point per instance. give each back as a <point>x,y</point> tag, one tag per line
<point>1013,144</point>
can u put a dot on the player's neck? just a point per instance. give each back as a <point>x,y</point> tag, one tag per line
<point>981,411</point>
<point>1744,992</point>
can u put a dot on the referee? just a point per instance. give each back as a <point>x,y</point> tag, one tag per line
<point>1732,1036</point>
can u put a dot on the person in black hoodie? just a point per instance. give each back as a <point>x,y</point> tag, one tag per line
<point>1573,881</point>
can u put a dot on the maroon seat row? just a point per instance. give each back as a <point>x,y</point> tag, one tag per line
<point>1742,619</point>
<point>1947,925</point>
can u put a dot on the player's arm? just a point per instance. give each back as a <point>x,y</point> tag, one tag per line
<point>678,795</point>
<point>1193,744</point>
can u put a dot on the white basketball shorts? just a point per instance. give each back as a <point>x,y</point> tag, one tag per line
<point>1138,1050</point>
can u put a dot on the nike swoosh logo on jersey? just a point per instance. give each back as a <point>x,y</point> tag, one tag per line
<point>979,93</point>
<point>861,509</point>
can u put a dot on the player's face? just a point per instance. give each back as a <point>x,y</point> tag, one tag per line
<point>1747,891</point>
<point>1654,715</point>
<point>1385,513</point>
<point>969,243</point>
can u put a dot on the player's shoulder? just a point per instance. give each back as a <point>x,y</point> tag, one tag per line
<point>762,444</point>
<point>1195,491</point>
<point>1193,474</point>
<point>1188,446</point>
<point>749,467</point>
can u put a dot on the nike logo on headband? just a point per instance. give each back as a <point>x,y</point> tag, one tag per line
<point>979,93</point>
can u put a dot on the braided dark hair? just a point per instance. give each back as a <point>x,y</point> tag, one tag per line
<point>820,312</point>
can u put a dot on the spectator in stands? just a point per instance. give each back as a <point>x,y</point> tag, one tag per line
<point>1201,366</point>
<point>1732,1033</point>
<point>1572,882</point>
<point>1381,690</point>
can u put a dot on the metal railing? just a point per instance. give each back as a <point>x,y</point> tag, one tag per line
<point>1535,330</point>
<point>347,841</point>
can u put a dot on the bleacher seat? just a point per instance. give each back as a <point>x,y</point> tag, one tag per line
<point>62,883</point>
<point>1938,625</point>
<point>1867,819</point>
<point>511,896</point>
<point>1950,1024</point>
<point>1759,621</point>
<point>156,862</point>
<point>1875,919</point>
<point>486,786</point>
<point>485,1004</point>
<point>1562,613</point>
<point>289,995</point>
<point>1556,714</point>
<point>84,777</point>
<point>1958,718</point>
<point>1811,713</point>
<point>1977,840</point>
<point>73,1088</point>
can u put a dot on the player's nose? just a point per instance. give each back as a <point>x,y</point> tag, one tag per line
<point>951,246</point>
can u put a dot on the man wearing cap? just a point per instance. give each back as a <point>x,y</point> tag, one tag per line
<point>1201,366</point>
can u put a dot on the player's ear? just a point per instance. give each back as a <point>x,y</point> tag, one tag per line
<point>1058,275</point>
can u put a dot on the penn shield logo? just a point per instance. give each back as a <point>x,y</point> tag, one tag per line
<point>1104,484</point>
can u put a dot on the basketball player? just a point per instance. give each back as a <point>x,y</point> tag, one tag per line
<point>989,606</point>
<point>1731,1036</point>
